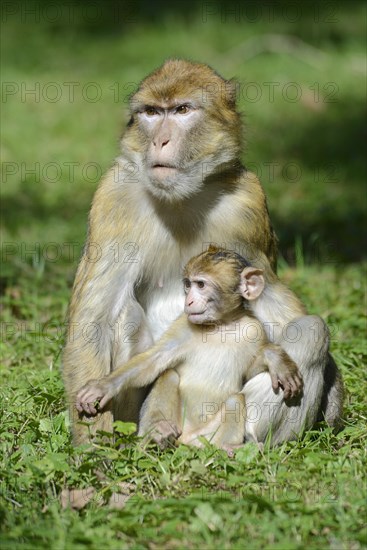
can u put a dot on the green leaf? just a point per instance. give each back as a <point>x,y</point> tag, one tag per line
<point>208,516</point>
<point>45,425</point>
<point>248,453</point>
<point>198,467</point>
<point>124,428</point>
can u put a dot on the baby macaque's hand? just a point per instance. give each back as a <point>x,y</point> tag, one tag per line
<point>291,382</point>
<point>93,396</point>
<point>284,374</point>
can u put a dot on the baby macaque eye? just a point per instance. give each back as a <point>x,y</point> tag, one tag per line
<point>187,284</point>
<point>201,284</point>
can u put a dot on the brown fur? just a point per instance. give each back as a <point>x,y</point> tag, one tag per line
<point>164,227</point>
<point>209,369</point>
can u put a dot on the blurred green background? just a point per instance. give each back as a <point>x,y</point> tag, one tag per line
<point>69,67</point>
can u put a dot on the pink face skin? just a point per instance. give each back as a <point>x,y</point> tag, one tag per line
<point>203,302</point>
<point>200,301</point>
<point>166,127</point>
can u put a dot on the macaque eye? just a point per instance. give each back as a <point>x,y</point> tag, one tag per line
<point>182,109</point>
<point>201,284</point>
<point>150,111</point>
<point>187,284</point>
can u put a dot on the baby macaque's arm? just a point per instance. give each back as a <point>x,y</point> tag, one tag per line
<point>283,370</point>
<point>140,371</point>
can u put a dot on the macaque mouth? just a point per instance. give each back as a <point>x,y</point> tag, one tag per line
<point>158,165</point>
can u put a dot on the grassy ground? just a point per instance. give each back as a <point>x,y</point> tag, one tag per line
<point>309,155</point>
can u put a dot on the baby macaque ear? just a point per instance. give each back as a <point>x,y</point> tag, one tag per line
<point>252,283</point>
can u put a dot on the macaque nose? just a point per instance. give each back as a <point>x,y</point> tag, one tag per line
<point>190,304</point>
<point>160,143</point>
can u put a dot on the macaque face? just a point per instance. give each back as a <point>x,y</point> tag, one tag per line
<point>202,302</point>
<point>184,127</point>
<point>169,157</point>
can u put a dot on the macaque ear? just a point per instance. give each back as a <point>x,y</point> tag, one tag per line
<point>231,92</point>
<point>252,283</point>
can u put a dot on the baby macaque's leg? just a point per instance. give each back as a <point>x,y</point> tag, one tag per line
<point>160,414</point>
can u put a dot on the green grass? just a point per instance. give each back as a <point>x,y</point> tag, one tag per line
<point>310,493</point>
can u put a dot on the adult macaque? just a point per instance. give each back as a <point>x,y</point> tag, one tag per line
<point>214,348</point>
<point>177,186</point>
